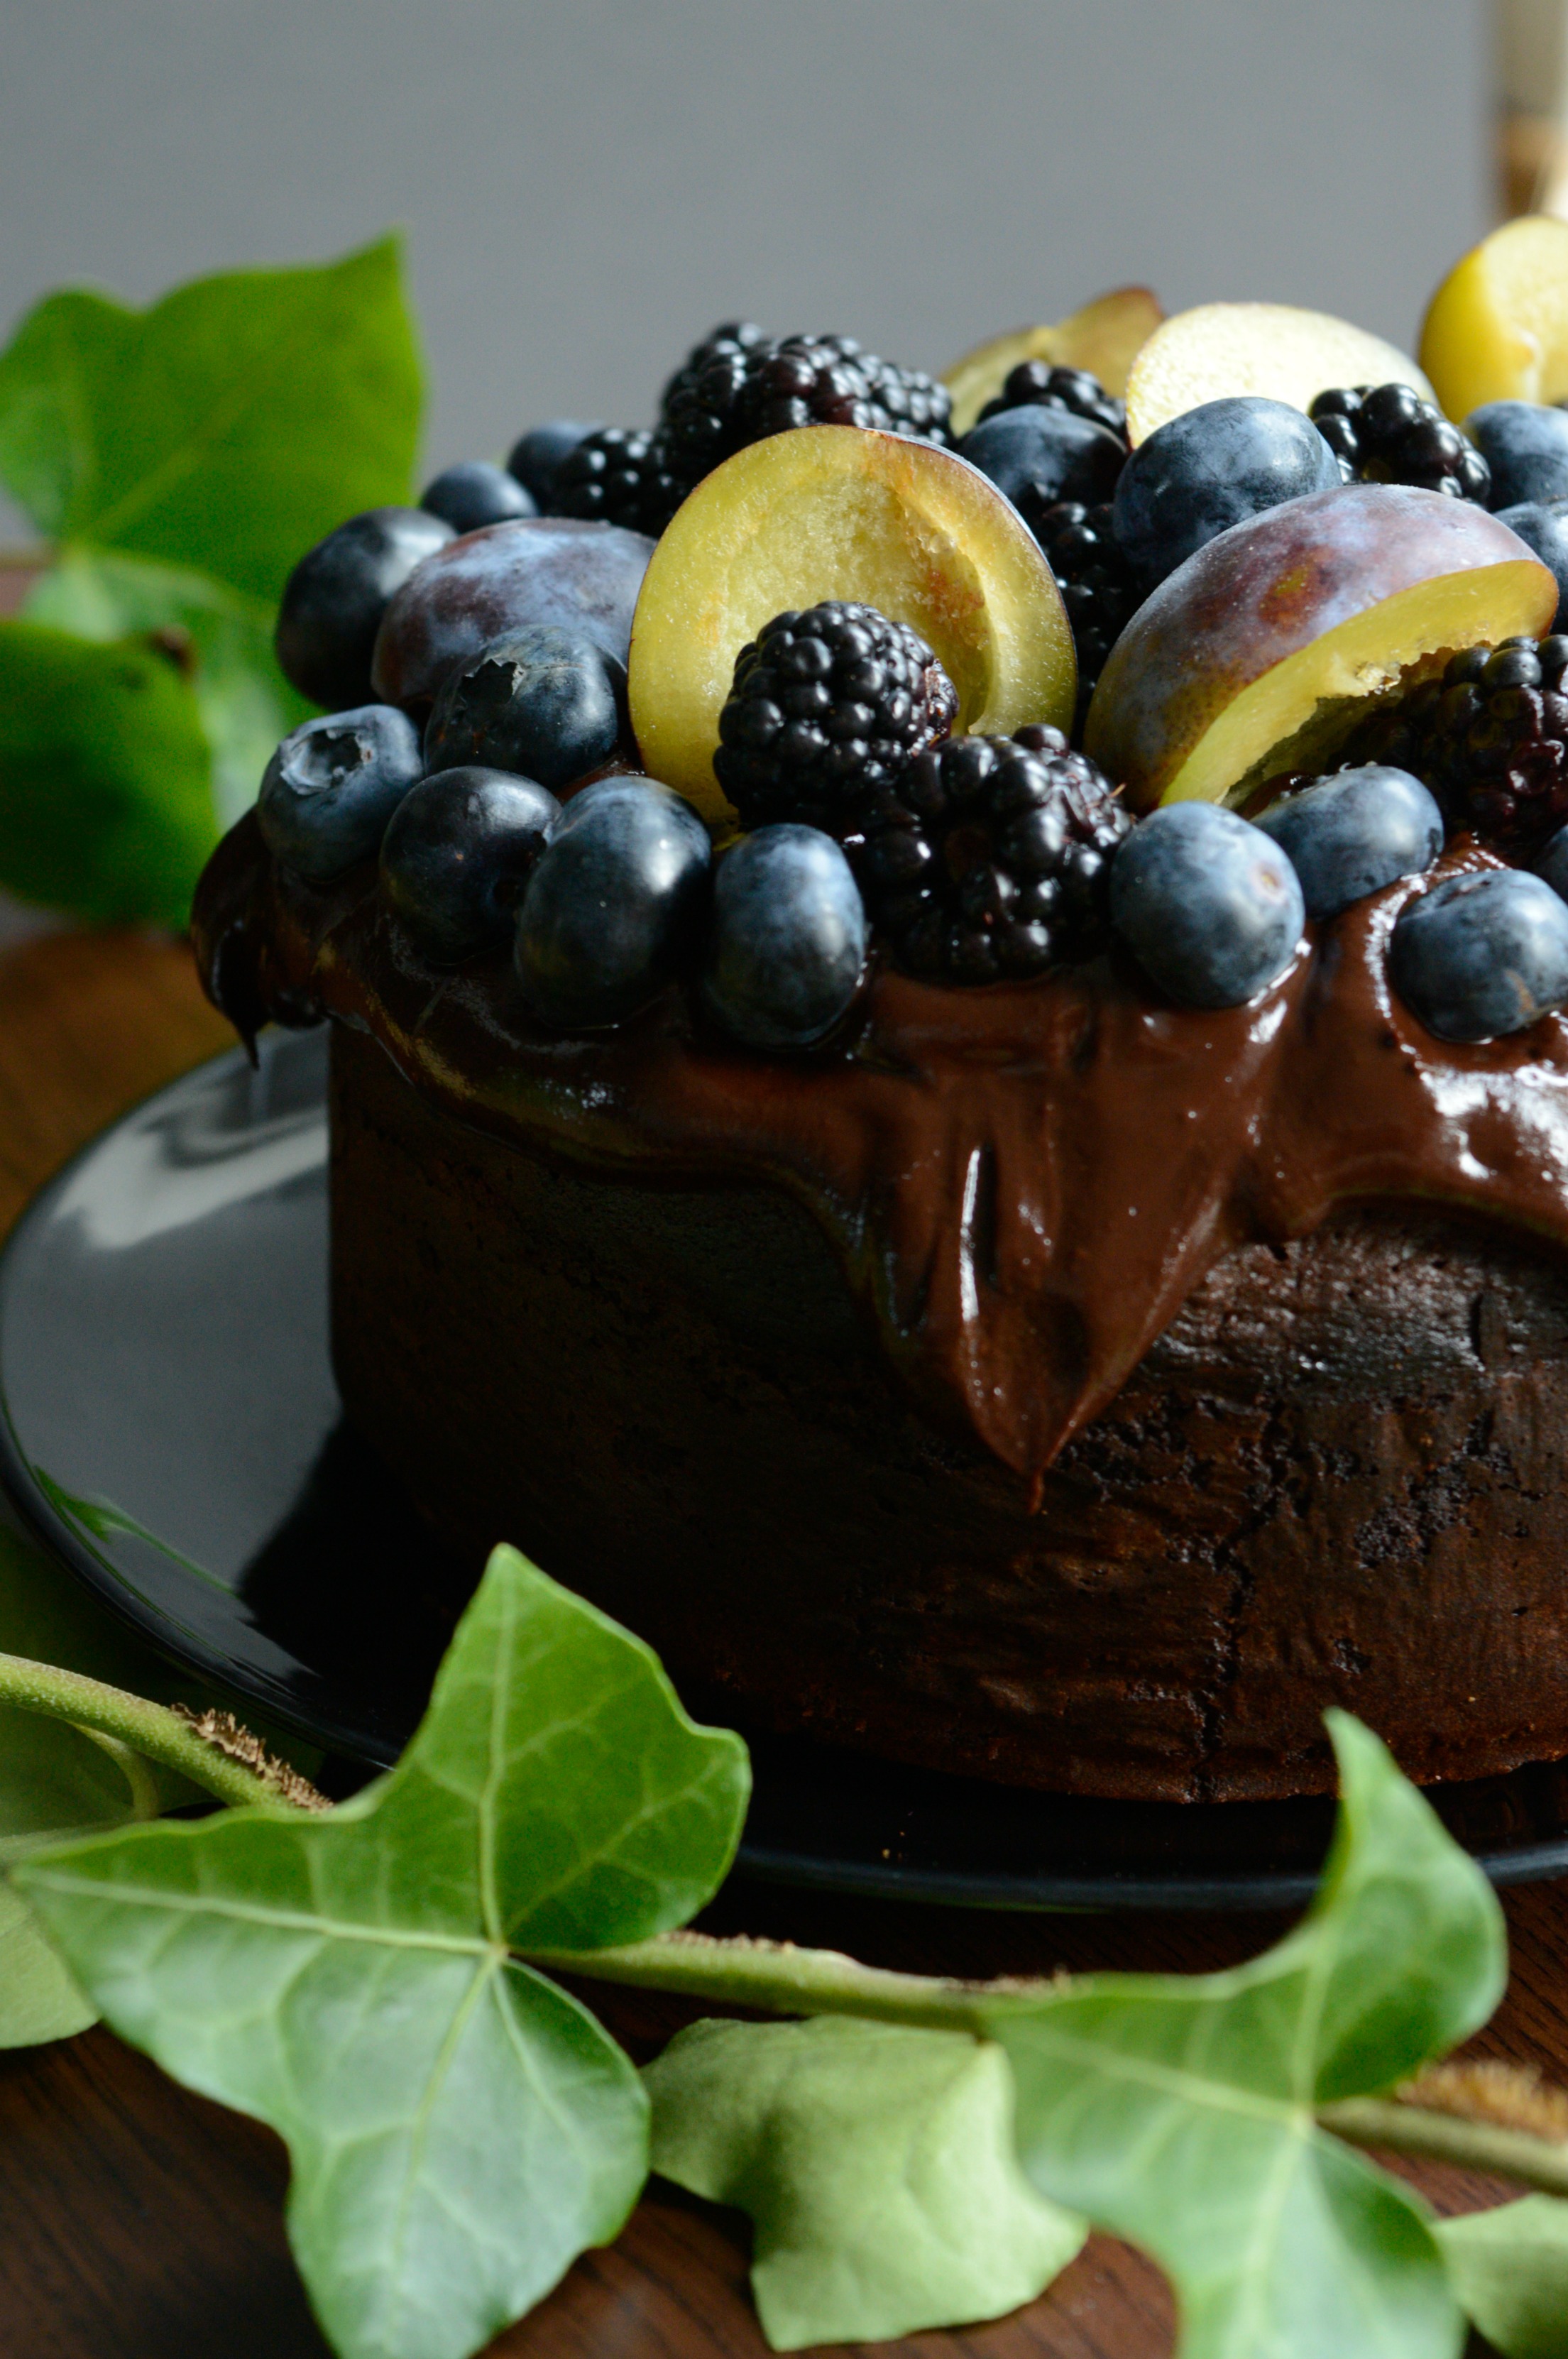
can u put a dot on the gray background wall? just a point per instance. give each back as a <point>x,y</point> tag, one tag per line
<point>588,185</point>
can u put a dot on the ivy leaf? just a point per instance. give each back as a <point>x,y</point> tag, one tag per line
<point>460,2128</point>
<point>222,641</point>
<point>227,426</point>
<point>1178,2111</point>
<point>105,777</point>
<point>876,2163</point>
<point>1510,2269</point>
<point>56,1782</point>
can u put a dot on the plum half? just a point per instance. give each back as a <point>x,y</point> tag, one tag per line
<point>1497,328</point>
<point>843,512</point>
<point>1103,338</point>
<point>1258,655</point>
<point>1269,348</point>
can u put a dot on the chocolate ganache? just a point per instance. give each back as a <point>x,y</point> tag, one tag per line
<point>1229,1350</point>
<point>1023,1182</point>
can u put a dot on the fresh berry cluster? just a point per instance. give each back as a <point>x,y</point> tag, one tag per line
<point>1047,386</point>
<point>617,476</point>
<point>1098,586</point>
<point>1387,434</point>
<point>990,858</point>
<point>1490,737</point>
<point>827,707</point>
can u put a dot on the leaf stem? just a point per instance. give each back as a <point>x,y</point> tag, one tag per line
<point>780,1979</point>
<point>1446,2138</point>
<point>151,1730</point>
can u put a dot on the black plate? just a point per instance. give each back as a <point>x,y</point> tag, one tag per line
<point>171,1432</point>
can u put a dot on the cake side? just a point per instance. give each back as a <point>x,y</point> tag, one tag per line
<point>1337,1478</point>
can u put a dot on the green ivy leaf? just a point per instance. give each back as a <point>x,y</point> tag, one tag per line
<point>1509,2269</point>
<point>227,426</point>
<point>876,2163</point>
<point>460,2128</point>
<point>222,640</point>
<point>1178,2112</point>
<point>105,777</point>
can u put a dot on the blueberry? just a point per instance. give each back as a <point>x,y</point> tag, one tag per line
<point>1481,956</point>
<point>1350,835</point>
<point>1213,467</point>
<point>457,855</point>
<point>614,908</point>
<point>1543,526</point>
<point>1039,456</point>
<point>1209,906</point>
<point>1525,443</point>
<point>787,947</point>
<point>535,460</point>
<point>336,595</point>
<point>332,786</point>
<point>544,702</point>
<point>473,494</point>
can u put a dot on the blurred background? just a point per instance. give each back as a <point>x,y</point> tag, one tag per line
<point>587,185</point>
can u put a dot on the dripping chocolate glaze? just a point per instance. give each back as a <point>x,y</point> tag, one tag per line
<point>1025,1182</point>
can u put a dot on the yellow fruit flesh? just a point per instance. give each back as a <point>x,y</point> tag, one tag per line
<point>1497,327</point>
<point>1261,348</point>
<point>1105,338</point>
<point>833,512</point>
<point>1294,716</point>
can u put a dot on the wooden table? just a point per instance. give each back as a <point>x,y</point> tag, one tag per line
<point>141,2222</point>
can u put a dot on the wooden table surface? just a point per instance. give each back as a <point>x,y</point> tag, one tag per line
<point>137,2222</point>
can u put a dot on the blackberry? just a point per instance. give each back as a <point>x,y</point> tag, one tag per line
<point>1490,739</point>
<point>991,859</point>
<point>1387,434</point>
<point>1046,387</point>
<point>827,710</point>
<point>1098,586</point>
<point>620,476</point>
<point>738,387</point>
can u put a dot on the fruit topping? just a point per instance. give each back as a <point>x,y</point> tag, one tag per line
<point>534,459</point>
<point>1490,737</point>
<point>1553,863</point>
<point>1387,434</point>
<point>474,494</point>
<point>739,387</point>
<point>787,946</point>
<point>1481,956</point>
<point>330,789</point>
<point>1264,348</point>
<point>1208,904</point>
<point>622,478</point>
<point>614,908</point>
<point>1105,337</point>
<point>827,708</point>
<point>1497,327</point>
<point>1525,446</point>
<point>457,853</point>
<point>991,858</point>
<point>545,703</point>
<point>334,600</point>
<point>833,513</point>
<point>1261,653</point>
<point>538,570</point>
<point>1039,456</point>
<point>1051,388</point>
<point>1209,469</point>
<point>1098,586</point>
<point>1352,834</point>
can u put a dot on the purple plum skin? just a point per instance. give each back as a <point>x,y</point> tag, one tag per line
<point>532,571</point>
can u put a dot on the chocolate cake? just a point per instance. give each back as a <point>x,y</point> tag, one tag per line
<point>1053,1384</point>
<point>950,1039</point>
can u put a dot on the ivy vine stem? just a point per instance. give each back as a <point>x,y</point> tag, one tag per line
<point>1399,2129</point>
<point>151,1730</point>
